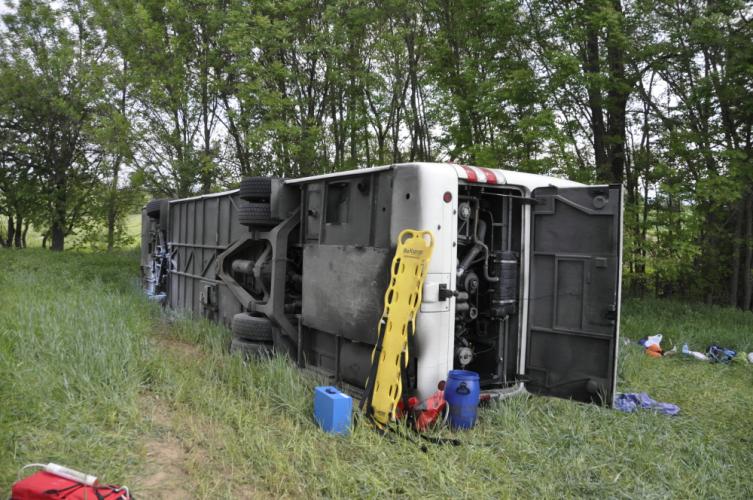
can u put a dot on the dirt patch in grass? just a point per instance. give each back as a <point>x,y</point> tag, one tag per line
<point>164,473</point>
<point>184,450</point>
<point>165,477</point>
<point>180,348</point>
<point>173,455</point>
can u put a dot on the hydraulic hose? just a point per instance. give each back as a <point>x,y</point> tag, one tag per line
<point>478,246</point>
<point>478,240</point>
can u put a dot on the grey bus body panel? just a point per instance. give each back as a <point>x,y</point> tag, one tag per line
<point>338,300</point>
<point>200,229</point>
<point>347,251</point>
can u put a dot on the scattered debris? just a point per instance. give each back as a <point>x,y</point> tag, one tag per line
<point>714,354</point>
<point>425,414</point>
<point>671,352</point>
<point>630,402</point>
<point>695,354</point>
<point>654,351</point>
<point>647,342</point>
<point>717,354</point>
<point>652,346</point>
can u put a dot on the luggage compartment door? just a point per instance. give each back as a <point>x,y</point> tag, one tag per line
<point>574,296</point>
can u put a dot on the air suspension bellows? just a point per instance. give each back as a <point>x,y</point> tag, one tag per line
<point>505,293</point>
<point>243,266</point>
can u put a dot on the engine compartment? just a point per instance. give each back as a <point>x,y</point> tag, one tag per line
<point>487,297</point>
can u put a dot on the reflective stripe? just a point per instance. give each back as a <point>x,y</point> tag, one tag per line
<point>472,177</point>
<point>479,174</point>
<point>491,178</point>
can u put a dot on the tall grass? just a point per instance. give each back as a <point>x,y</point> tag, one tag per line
<point>84,359</point>
<point>73,351</point>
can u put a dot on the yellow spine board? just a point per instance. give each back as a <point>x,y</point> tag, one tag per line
<point>401,302</point>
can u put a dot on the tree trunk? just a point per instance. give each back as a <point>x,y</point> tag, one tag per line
<point>57,231</point>
<point>617,98</point>
<point>352,112</point>
<point>380,146</point>
<point>11,232</point>
<point>425,126</point>
<point>592,70</point>
<point>112,208</point>
<point>58,237</point>
<point>23,235</point>
<point>734,282</point>
<point>638,268</point>
<point>458,87</point>
<point>367,147</point>
<point>17,241</point>
<point>748,253</point>
<point>112,205</point>
<point>206,172</point>
<point>240,150</point>
<point>112,215</point>
<point>416,151</point>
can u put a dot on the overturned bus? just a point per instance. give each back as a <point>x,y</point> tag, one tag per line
<point>523,286</point>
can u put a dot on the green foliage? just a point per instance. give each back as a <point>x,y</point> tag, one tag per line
<point>488,86</point>
<point>56,121</point>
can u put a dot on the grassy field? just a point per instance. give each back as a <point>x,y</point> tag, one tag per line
<point>132,229</point>
<point>97,378</point>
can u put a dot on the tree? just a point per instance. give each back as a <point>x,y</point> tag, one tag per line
<point>586,50</point>
<point>491,98</point>
<point>172,53</point>
<point>53,71</point>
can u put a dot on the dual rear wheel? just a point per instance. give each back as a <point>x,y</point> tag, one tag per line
<point>256,211</point>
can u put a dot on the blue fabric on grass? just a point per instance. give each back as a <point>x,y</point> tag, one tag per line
<point>632,401</point>
<point>718,354</point>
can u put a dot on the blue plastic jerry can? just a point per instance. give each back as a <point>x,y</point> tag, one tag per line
<point>332,409</point>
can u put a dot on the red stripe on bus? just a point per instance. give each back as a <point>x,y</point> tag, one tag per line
<point>490,177</point>
<point>470,173</point>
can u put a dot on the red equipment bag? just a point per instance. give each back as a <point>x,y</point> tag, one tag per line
<point>425,414</point>
<point>43,485</point>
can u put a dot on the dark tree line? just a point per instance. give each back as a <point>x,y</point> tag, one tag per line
<point>101,100</point>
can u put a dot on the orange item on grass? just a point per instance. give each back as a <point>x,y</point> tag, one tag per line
<point>654,351</point>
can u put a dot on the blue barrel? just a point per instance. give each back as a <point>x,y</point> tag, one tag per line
<point>462,392</point>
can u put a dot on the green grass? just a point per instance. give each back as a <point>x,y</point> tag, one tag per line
<point>97,378</point>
